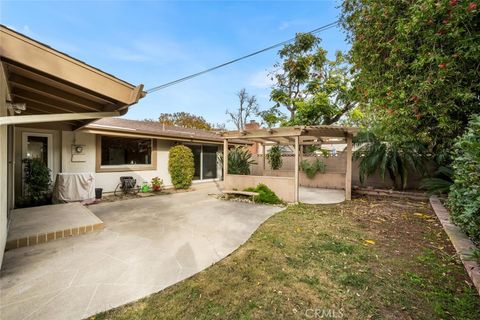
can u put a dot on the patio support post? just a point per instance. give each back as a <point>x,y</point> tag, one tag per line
<point>225,159</point>
<point>348,171</point>
<point>264,156</point>
<point>297,164</point>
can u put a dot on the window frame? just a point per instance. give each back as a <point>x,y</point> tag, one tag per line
<point>124,167</point>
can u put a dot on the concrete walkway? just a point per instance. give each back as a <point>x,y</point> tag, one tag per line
<point>147,244</point>
<point>321,196</point>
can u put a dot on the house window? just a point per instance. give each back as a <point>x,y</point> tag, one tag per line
<point>115,153</point>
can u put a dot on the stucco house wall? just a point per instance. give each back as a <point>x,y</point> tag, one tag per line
<point>109,180</point>
<point>3,168</point>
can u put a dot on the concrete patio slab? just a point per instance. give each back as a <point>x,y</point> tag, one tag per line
<point>31,226</point>
<point>321,196</point>
<point>147,245</point>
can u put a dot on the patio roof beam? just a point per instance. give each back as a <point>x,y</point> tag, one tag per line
<point>263,133</point>
<point>56,117</point>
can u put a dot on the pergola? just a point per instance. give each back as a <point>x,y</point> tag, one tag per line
<point>288,187</point>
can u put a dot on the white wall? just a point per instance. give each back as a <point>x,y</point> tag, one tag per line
<point>3,169</point>
<point>109,180</point>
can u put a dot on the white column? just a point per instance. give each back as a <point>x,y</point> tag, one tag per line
<point>296,194</point>
<point>264,156</point>
<point>225,159</point>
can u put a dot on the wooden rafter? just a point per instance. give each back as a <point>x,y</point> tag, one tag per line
<point>40,89</point>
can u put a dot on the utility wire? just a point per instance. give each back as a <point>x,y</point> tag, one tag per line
<point>194,75</point>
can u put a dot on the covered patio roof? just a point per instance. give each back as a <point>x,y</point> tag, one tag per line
<point>48,82</point>
<point>288,187</point>
<point>308,135</point>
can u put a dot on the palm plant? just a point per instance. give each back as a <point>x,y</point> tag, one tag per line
<point>396,158</point>
<point>239,160</point>
<point>440,183</point>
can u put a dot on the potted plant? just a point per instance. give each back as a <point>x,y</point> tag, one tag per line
<point>157,184</point>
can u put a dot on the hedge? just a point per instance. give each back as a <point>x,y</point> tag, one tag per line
<point>464,196</point>
<point>181,166</point>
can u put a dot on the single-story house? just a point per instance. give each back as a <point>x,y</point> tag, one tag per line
<point>114,147</point>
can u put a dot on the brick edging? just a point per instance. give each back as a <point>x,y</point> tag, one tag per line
<point>463,245</point>
<point>50,236</point>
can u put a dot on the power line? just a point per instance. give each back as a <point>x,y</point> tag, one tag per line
<point>194,75</point>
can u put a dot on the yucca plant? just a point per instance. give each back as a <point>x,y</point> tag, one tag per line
<point>239,160</point>
<point>393,158</point>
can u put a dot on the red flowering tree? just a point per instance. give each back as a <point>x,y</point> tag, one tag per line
<point>417,64</point>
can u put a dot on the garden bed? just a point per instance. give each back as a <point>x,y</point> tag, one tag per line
<point>364,259</point>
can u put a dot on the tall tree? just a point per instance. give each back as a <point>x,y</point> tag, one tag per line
<point>247,107</point>
<point>417,66</point>
<point>185,120</point>
<point>314,89</point>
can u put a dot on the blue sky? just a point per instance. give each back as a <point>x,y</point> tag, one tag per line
<point>153,42</point>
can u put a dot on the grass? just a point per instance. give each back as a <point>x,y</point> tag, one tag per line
<point>367,259</point>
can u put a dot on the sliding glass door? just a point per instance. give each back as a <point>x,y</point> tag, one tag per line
<point>205,160</point>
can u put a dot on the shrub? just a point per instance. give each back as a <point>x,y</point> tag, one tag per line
<point>37,184</point>
<point>313,167</point>
<point>464,196</point>
<point>239,160</point>
<point>265,194</point>
<point>181,166</point>
<point>274,157</point>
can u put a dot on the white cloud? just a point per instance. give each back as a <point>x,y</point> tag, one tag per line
<point>284,25</point>
<point>261,79</point>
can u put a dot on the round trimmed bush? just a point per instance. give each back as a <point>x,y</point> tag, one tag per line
<point>181,166</point>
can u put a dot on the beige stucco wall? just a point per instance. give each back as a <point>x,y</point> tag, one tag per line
<point>3,169</point>
<point>109,180</point>
<point>324,180</point>
<point>282,186</point>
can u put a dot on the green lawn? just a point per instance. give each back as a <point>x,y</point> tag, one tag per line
<point>367,259</point>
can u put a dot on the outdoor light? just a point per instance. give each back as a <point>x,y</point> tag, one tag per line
<point>17,107</point>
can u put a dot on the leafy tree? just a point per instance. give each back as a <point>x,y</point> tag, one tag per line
<point>272,116</point>
<point>312,88</point>
<point>247,108</point>
<point>417,66</point>
<point>181,166</point>
<point>184,120</point>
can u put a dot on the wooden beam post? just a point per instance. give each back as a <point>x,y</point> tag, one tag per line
<point>348,171</point>
<point>225,159</point>
<point>263,159</point>
<point>297,164</point>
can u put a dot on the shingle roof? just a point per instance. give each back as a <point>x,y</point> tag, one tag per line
<point>155,128</point>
